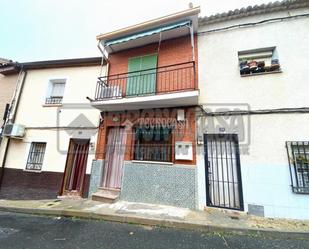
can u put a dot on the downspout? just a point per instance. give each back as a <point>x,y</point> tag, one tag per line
<point>193,52</point>
<point>12,117</point>
<point>192,41</point>
<point>102,114</point>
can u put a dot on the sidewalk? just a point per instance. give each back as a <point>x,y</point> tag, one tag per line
<point>212,220</point>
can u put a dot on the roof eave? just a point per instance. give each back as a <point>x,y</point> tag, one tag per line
<point>91,61</point>
<point>254,10</point>
<point>149,24</point>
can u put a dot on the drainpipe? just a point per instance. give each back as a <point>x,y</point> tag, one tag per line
<point>12,115</point>
<point>192,40</point>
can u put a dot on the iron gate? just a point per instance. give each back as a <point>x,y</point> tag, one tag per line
<point>222,167</point>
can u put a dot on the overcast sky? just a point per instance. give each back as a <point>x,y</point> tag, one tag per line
<point>57,29</point>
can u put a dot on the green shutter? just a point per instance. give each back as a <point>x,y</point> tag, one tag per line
<point>142,83</point>
<point>134,78</point>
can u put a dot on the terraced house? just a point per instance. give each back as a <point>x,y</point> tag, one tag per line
<point>50,130</point>
<point>146,143</point>
<point>254,92</point>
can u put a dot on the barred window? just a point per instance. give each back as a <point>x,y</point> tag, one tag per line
<point>298,154</point>
<point>153,144</point>
<point>36,156</point>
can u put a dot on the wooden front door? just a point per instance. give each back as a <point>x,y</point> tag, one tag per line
<point>75,168</point>
<point>114,157</point>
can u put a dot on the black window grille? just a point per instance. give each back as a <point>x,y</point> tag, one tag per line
<point>36,156</point>
<point>298,155</point>
<point>153,144</point>
<point>53,100</point>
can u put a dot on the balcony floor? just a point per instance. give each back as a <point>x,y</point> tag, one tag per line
<point>186,98</point>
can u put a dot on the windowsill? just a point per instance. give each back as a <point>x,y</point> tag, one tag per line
<point>152,162</point>
<point>256,74</point>
<point>33,171</point>
<point>52,105</point>
<point>301,193</point>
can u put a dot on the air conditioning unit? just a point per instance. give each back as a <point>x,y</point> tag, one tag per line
<point>111,92</point>
<point>14,131</point>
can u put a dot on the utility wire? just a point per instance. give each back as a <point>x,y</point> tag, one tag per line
<point>61,128</point>
<point>257,112</point>
<point>251,23</point>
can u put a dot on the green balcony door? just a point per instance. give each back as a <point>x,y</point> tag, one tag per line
<point>142,82</point>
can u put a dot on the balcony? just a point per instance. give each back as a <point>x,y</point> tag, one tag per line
<point>167,86</point>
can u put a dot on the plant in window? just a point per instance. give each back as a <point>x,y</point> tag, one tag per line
<point>258,61</point>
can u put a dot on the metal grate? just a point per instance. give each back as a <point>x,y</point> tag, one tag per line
<point>36,156</point>
<point>166,79</point>
<point>153,144</point>
<point>223,177</point>
<point>298,156</point>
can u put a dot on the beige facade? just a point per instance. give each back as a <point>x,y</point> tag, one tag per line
<point>41,119</point>
<point>7,86</point>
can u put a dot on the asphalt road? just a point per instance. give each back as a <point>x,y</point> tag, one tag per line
<point>27,231</point>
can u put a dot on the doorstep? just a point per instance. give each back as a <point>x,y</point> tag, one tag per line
<point>106,195</point>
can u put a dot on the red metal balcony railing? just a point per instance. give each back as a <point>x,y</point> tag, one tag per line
<point>161,80</point>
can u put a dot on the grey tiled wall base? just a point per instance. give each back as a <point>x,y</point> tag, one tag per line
<point>96,175</point>
<point>159,184</point>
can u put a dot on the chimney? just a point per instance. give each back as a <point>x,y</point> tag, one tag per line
<point>190,5</point>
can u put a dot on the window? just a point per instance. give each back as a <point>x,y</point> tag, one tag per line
<point>36,156</point>
<point>153,144</point>
<point>55,92</point>
<point>298,154</point>
<point>258,61</point>
<point>142,75</point>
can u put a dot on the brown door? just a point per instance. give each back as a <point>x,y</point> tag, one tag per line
<point>75,168</point>
<point>114,158</point>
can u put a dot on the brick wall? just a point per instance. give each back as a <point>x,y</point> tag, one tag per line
<point>170,52</point>
<point>173,51</point>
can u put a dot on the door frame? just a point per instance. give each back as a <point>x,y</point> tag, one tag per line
<point>234,138</point>
<point>65,174</point>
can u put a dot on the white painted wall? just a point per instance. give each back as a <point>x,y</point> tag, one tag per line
<point>36,116</point>
<point>219,79</point>
<point>265,171</point>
